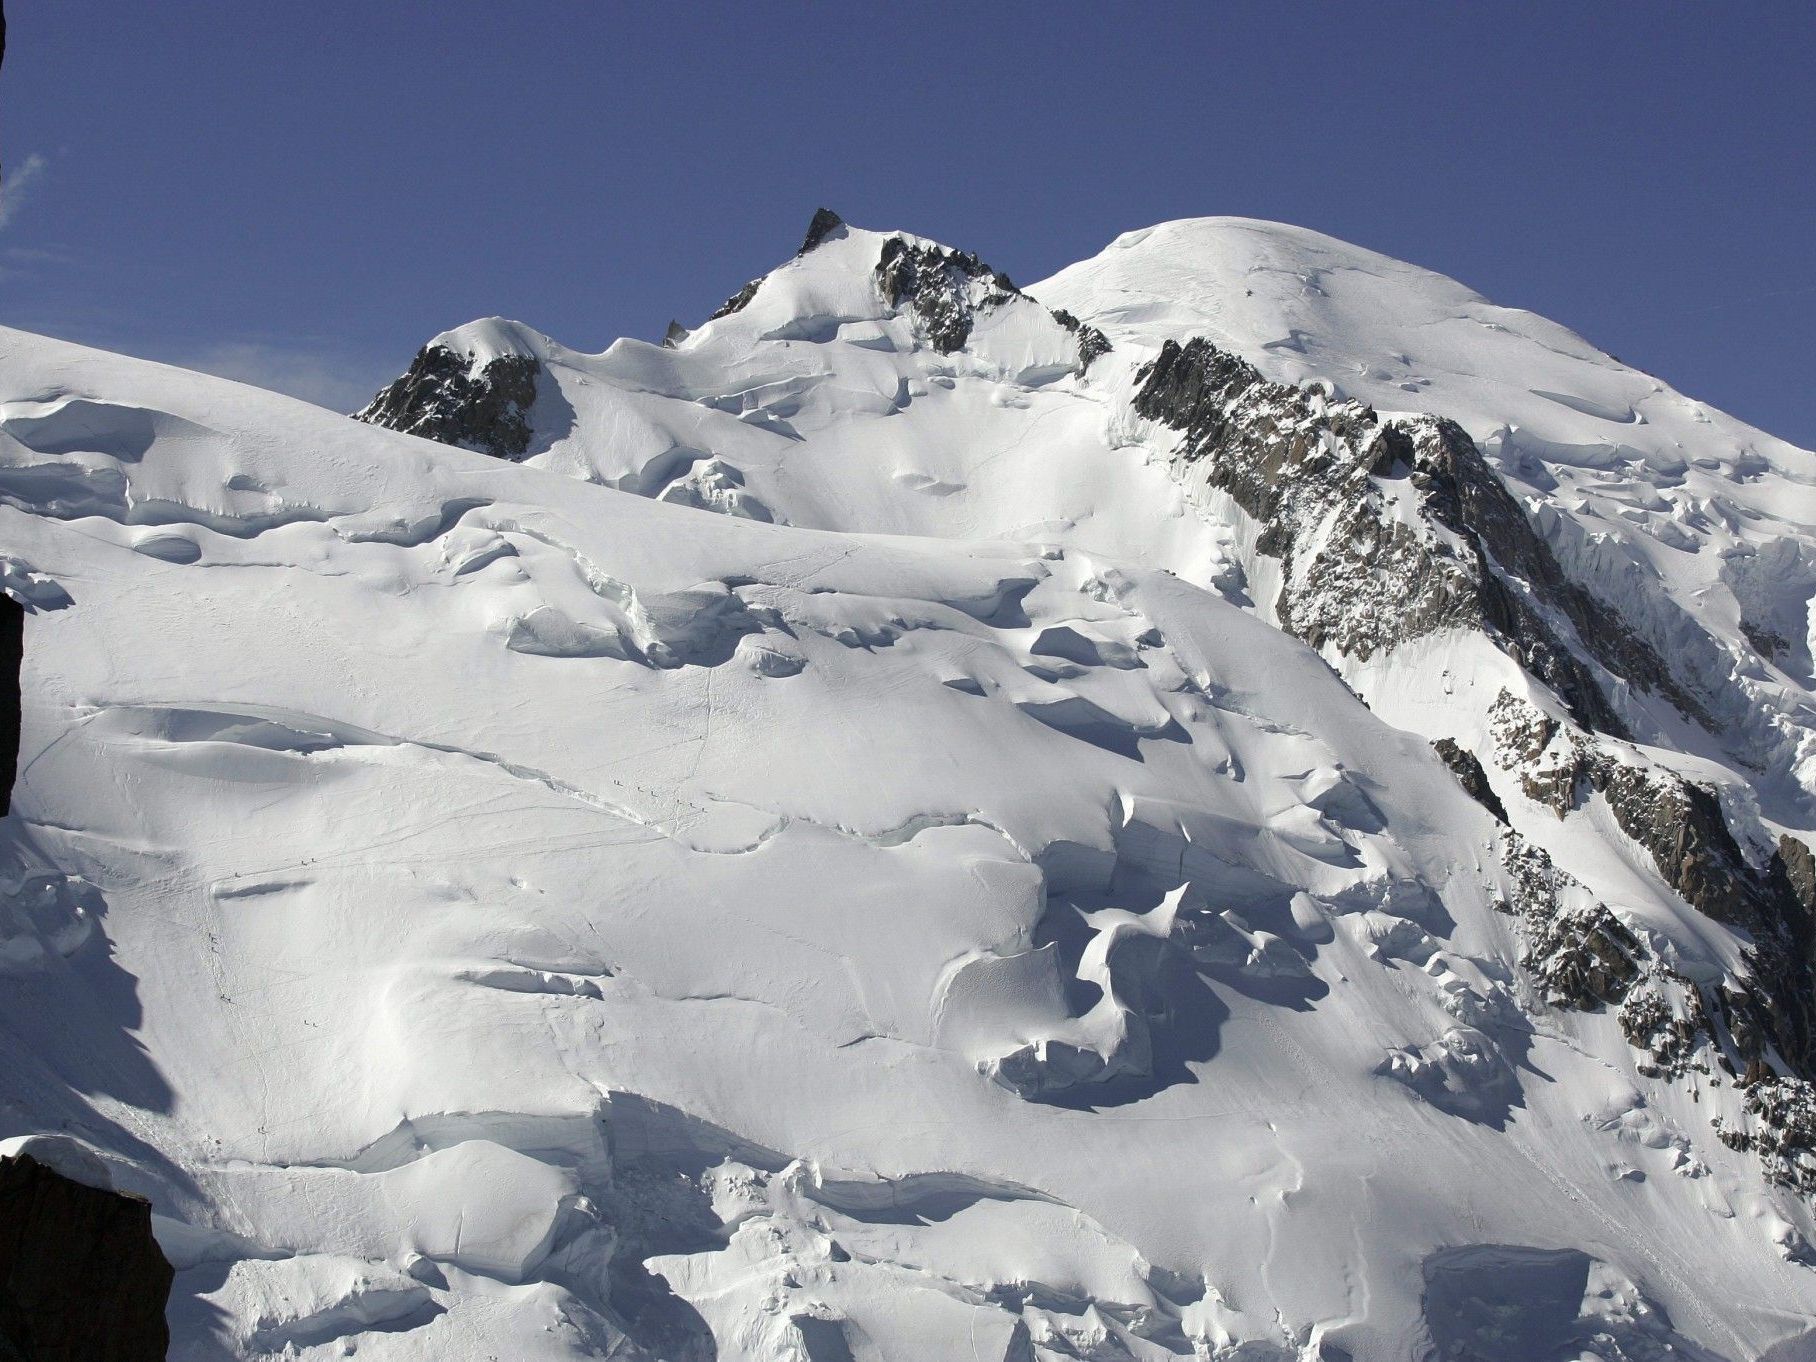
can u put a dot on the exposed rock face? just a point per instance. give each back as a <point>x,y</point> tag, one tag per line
<point>737,301</point>
<point>1761,1031</point>
<point>1583,958</point>
<point>1464,495</point>
<point>81,1277</point>
<point>825,222</point>
<point>1766,643</point>
<point>1666,1018</point>
<point>1782,1130</point>
<point>1681,826</point>
<point>449,397</point>
<point>1577,951</point>
<point>1330,484</point>
<point>1091,342</point>
<point>1320,479</point>
<point>1537,747</point>
<point>1467,768</point>
<point>1797,865</point>
<point>943,289</point>
<point>12,656</point>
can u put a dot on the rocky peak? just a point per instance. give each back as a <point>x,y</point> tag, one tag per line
<point>824,225</point>
<point>465,388</point>
<point>825,222</point>
<point>941,290</point>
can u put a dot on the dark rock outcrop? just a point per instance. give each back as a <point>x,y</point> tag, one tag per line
<point>943,291</point>
<point>1467,768</point>
<point>1535,745</point>
<point>1670,1034</point>
<point>1766,643</point>
<point>1464,494</point>
<point>1756,1031</point>
<point>447,397</point>
<point>1581,957</point>
<point>81,1277</point>
<point>1091,342</point>
<point>825,222</point>
<point>1795,866</point>
<point>1760,1030</point>
<point>1780,1131</point>
<point>12,658</point>
<point>737,301</point>
<point>1682,827</point>
<point>941,288</point>
<point>1314,475</point>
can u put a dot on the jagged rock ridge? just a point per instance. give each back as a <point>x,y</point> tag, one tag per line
<point>1313,475</point>
<point>1369,581</point>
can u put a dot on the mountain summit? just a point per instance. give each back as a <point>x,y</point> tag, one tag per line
<point>1238,802</point>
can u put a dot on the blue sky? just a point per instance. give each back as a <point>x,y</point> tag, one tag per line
<point>302,194</point>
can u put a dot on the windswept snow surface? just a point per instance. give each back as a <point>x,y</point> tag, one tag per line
<point>833,858</point>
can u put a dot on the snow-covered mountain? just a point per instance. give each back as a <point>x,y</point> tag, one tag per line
<point>1238,802</point>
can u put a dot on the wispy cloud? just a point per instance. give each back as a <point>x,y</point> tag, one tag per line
<point>315,375</point>
<point>16,187</point>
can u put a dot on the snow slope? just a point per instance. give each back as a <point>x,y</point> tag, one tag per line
<point>1697,526</point>
<point>829,851</point>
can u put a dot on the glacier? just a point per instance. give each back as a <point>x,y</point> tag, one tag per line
<point>1240,802</point>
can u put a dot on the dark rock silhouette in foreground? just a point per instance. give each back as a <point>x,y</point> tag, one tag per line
<point>81,1277</point>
